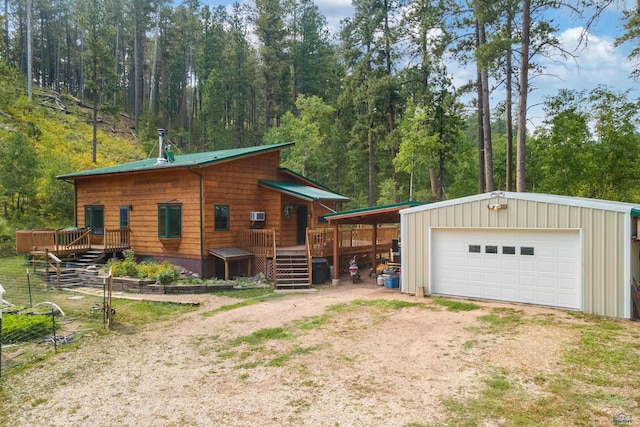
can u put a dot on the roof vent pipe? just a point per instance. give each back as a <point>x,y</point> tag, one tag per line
<point>161,159</point>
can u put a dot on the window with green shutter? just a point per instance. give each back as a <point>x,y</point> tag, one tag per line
<point>169,221</point>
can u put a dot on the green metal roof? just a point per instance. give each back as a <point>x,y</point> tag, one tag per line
<point>303,191</point>
<point>181,161</point>
<point>383,212</point>
<point>305,178</point>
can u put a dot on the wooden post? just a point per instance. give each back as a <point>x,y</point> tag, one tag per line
<point>336,254</point>
<point>374,245</point>
<point>58,274</point>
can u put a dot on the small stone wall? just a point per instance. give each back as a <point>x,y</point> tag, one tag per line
<point>150,286</point>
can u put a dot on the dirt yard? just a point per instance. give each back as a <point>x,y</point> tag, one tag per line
<point>347,355</point>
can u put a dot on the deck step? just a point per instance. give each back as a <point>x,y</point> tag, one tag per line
<point>292,269</point>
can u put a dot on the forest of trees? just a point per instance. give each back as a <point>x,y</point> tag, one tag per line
<point>371,106</point>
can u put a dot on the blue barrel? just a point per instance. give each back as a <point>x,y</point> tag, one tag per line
<point>392,281</point>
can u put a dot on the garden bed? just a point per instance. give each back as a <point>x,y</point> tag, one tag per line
<point>150,286</point>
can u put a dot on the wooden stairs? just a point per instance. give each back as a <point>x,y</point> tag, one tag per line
<point>81,270</point>
<point>292,269</point>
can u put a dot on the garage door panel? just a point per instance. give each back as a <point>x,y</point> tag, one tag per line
<point>473,262</point>
<point>508,294</point>
<point>492,263</point>
<point>547,271</point>
<point>547,267</point>
<point>475,291</point>
<point>547,251</point>
<point>547,298</point>
<point>565,284</point>
<point>567,268</point>
<point>509,279</point>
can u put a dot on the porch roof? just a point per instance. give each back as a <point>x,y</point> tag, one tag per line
<point>305,192</point>
<point>385,214</point>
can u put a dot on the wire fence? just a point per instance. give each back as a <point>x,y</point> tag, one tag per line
<point>38,314</point>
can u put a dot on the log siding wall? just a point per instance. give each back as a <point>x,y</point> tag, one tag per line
<point>233,183</point>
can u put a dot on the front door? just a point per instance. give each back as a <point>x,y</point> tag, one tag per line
<point>301,235</point>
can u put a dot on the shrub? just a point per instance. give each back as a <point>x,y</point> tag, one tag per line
<point>164,273</point>
<point>21,327</point>
<point>167,274</point>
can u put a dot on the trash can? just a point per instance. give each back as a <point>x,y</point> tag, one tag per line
<point>319,271</point>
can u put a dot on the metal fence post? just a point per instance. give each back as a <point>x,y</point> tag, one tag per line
<point>29,287</point>
<point>53,325</point>
<point>2,292</point>
<point>0,338</point>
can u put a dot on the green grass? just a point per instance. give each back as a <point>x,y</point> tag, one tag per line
<point>309,323</point>
<point>248,293</point>
<point>261,335</point>
<point>386,304</point>
<point>251,297</point>
<point>137,313</point>
<point>256,353</point>
<point>502,319</point>
<point>455,305</point>
<point>593,377</point>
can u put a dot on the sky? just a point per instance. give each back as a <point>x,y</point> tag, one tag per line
<point>596,63</point>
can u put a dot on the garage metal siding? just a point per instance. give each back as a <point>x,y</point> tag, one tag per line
<point>603,233</point>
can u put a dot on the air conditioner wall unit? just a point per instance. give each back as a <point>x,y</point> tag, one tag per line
<point>257,216</point>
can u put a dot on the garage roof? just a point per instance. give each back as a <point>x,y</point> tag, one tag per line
<point>631,208</point>
<point>386,214</point>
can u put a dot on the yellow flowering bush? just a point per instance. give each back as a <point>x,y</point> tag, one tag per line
<point>165,273</point>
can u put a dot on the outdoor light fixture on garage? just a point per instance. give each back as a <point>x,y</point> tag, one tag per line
<point>497,206</point>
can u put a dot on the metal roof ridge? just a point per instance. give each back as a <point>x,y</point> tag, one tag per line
<point>537,197</point>
<point>181,161</point>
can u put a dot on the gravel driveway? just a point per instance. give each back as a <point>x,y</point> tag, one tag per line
<point>336,357</point>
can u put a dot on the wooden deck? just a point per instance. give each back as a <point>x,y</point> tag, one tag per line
<point>352,240</point>
<point>71,241</point>
<point>54,245</point>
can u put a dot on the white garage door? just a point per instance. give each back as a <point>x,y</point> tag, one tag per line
<point>529,266</point>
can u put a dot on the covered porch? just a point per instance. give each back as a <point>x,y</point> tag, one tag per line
<point>379,220</point>
<point>361,241</point>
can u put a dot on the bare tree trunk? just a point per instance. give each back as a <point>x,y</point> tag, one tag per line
<point>94,157</point>
<point>43,74</point>
<point>6,32</point>
<point>481,170</point>
<point>521,182</point>
<point>29,52</point>
<point>137,72</point>
<point>372,161</point>
<point>81,73</point>
<point>433,178</point>
<point>508,107</point>
<point>486,117</point>
<point>152,83</point>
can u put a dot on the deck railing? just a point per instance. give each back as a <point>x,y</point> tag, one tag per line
<point>57,241</point>
<point>259,242</point>
<point>262,244</point>
<point>351,239</point>
<point>320,242</point>
<point>116,239</point>
<point>63,242</point>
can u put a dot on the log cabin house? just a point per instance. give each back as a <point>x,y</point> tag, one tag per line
<point>221,213</point>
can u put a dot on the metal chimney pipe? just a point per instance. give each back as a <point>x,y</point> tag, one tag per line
<point>161,160</point>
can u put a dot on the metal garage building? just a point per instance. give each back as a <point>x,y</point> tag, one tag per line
<point>556,251</point>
